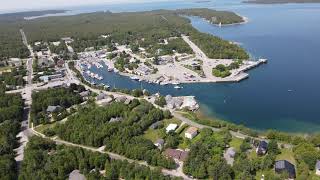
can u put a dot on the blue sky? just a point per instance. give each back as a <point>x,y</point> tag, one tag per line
<point>19,5</point>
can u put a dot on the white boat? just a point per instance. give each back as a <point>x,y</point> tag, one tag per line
<point>115,70</point>
<point>175,83</point>
<point>177,87</point>
<point>134,78</point>
<point>110,69</point>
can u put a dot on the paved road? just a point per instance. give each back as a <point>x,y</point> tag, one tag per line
<point>25,132</point>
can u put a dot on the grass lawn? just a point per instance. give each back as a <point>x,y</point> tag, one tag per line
<point>155,134</point>
<point>236,143</point>
<point>42,128</point>
<point>286,154</point>
<point>152,135</point>
<point>166,122</point>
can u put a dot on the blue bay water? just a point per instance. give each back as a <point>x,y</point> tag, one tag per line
<point>287,35</point>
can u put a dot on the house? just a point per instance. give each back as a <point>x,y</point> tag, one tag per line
<point>284,166</point>
<point>67,40</point>
<point>121,99</point>
<point>76,175</point>
<point>318,168</point>
<point>155,125</point>
<point>43,61</point>
<point>173,102</point>
<point>177,154</point>
<point>262,148</point>
<point>15,62</point>
<point>52,109</point>
<point>195,65</point>
<point>143,70</point>
<point>37,43</point>
<point>231,152</point>
<point>57,43</point>
<point>229,155</point>
<point>191,132</point>
<point>84,94</point>
<point>44,78</point>
<point>171,127</point>
<point>159,143</point>
<point>60,63</point>
<point>116,119</point>
<point>166,59</point>
<point>101,96</point>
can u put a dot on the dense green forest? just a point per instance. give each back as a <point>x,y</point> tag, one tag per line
<point>46,160</point>
<point>213,16</point>
<point>11,107</point>
<point>64,97</point>
<point>144,29</point>
<point>11,113</point>
<point>11,45</point>
<point>91,126</point>
<point>216,48</point>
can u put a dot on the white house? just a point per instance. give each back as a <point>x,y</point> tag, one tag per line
<point>171,127</point>
<point>191,132</point>
<point>159,143</point>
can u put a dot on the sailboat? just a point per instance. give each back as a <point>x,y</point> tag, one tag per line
<point>220,24</point>
<point>177,87</point>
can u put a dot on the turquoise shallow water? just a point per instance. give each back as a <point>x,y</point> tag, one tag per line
<point>288,35</point>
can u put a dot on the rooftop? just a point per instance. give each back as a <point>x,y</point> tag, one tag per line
<point>284,165</point>
<point>318,165</point>
<point>192,130</point>
<point>176,154</point>
<point>171,127</point>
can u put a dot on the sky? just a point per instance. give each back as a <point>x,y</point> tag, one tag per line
<point>21,5</point>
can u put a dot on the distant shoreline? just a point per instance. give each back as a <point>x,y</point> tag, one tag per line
<point>280,1</point>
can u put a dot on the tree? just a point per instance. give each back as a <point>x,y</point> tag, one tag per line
<point>273,147</point>
<point>161,101</point>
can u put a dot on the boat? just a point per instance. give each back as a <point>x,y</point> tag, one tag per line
<point>177,87</point>
<point>290,90</point>
<point>134,78</point>
<point>175,83</point>
<point>220,24</point>
<point>110,69</point>
<point>115,70</point>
